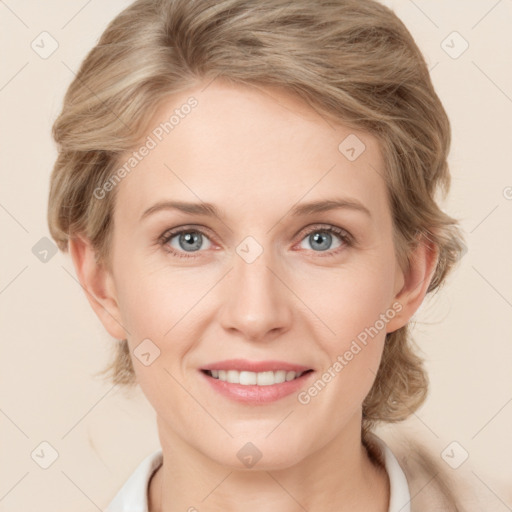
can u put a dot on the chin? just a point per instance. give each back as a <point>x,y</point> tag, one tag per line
<point>260,454</point>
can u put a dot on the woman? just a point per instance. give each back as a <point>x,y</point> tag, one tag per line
<point>248,193</point>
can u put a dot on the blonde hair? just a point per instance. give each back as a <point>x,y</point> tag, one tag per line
<point>352,60</point>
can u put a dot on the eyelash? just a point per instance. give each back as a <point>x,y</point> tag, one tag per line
<point>345,237</point>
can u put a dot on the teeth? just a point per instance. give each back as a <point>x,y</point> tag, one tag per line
<point>252,378</point>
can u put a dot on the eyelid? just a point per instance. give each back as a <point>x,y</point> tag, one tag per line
<point>341,232</point>
<point>170,233</point>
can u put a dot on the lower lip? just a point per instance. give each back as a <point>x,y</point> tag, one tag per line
<point>256,394</point>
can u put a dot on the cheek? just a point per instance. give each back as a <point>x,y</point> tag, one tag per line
<point>351,299</point>
<point>355,304</point>
<point>160,303</point>
<point>353,352</point>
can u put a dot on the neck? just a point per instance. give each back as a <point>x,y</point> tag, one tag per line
<point>341,477</point>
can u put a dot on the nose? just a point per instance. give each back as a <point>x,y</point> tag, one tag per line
<point>256,303</point>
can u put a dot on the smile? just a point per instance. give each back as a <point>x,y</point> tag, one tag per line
<point>255,383</point>
<point>246,378</point>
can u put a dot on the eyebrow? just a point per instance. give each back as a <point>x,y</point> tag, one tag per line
<point>302,209</point>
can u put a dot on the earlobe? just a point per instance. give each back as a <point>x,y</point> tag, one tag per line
<point>98,286</point>
<point>415,281</point>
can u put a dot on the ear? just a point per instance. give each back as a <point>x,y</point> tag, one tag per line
<point>98,284</point>
<point>413,282</point>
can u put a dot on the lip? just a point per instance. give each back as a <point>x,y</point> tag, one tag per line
<point>253,394</point>
<point>255,366</point>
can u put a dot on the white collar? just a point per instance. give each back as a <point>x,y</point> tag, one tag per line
<point>132,497</point>
<point>400,497</point>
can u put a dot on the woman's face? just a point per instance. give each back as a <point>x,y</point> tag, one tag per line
<point>263,280</point>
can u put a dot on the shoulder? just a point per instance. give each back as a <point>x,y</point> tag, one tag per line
<point>433,485</point>
<point>430,485</point>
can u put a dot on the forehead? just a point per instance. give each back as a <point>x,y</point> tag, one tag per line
<point>248,148</point>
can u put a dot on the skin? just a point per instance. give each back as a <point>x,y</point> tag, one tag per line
<point>255,153</point>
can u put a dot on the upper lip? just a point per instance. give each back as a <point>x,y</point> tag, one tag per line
<point>255,366</point>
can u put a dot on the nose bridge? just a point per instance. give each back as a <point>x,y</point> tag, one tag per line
<point>256,302</point>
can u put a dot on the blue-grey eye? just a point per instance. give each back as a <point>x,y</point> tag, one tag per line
<point>189,241</point>
<point>321,240</point>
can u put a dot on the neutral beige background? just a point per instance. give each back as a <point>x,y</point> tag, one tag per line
<point>52,343</point>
